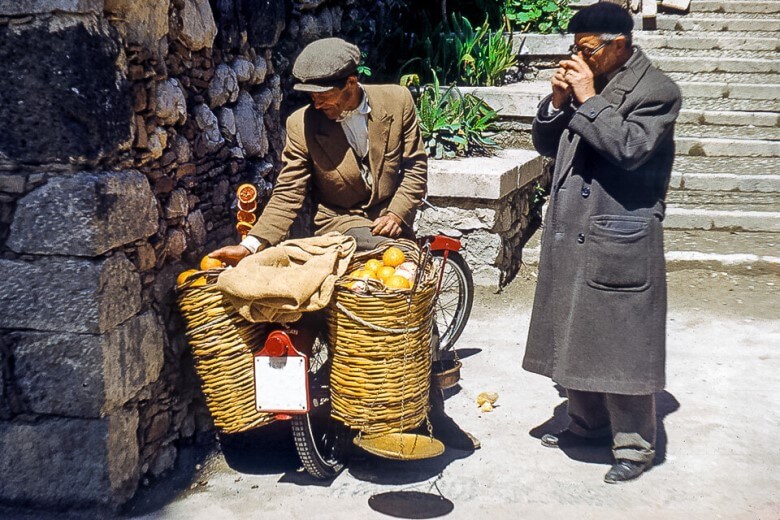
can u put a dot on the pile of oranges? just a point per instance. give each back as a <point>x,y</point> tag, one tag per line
<point>206,263</point>
<point>393,271</point>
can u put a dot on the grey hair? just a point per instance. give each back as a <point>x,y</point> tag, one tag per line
<point>611,37</point>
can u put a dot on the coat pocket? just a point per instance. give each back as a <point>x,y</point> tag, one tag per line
<point>618,253</point>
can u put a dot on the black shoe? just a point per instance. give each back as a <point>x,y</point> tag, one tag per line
<point>449,433</point>
<point>568,439</point>
<point>624,470</point>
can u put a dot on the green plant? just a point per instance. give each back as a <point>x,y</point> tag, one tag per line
<point>543,16</point>
<point>451,123</point>
<point>488,58</point>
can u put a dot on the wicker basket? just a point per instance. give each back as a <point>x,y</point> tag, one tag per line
<point>380,375</point>
<point>223,345</point>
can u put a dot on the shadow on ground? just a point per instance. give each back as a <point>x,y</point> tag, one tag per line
<point>666,404</point>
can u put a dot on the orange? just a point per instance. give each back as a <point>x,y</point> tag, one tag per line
<point>385,272</point>
<point>207,263</point>
<point>184,275</point>
<point>361,274</point>
<point>373,265</point>
<point>393,257</point>
<point>397,282</point>
<point>200,281</point>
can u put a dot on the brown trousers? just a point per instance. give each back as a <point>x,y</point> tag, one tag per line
<point>630,419</point>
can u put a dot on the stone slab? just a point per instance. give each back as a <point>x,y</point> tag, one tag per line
<point>514,100</point>
<point>716,147</point>
<point>725,182</point>
<point>699,64</point>
<point>60,462</point>
<point>735,6</point>
<point>69,294</point>
<point>70,105</point>
<point>85,375</point>
<point>86,214</point>
<point>142,23</point>
<point>25,7</point>
<point>729,117</point>
<point>768,91</point>
<point>533,44</point>
<point>703,23</point>
<point>763,221</point>
<point>489,178</point>
<point>707,41</point>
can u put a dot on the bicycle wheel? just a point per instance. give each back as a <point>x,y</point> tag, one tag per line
<point>456,296</point>
<point>321,442</point>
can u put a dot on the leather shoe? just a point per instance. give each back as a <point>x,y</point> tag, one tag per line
<point>624,470</point>
<point>567,439</point>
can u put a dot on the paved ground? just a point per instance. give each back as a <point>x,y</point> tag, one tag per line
<point>719,422</point>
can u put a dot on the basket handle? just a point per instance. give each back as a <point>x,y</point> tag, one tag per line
<point>372,326</point>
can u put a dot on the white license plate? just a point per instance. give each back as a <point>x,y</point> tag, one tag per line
<point>281,384</point>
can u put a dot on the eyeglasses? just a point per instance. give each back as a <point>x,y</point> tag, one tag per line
<point>587,51</point>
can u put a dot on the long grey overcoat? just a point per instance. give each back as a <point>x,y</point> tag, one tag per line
<point>599,315</point>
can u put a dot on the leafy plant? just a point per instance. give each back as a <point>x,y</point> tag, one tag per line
<point>451,123</point>
<point>488,58</point>
<point>543,16</point>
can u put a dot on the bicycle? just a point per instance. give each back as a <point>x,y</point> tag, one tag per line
<point>322,442</point>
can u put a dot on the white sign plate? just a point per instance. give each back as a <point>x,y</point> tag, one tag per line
<point>281,384</point>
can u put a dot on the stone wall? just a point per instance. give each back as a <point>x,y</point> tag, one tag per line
<point>127,127</point>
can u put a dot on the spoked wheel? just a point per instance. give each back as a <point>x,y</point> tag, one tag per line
<point>456,297</point>
<point>321,442</point>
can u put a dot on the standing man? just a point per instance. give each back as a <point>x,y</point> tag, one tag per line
<point>357,149</point>
<point>598,325</point>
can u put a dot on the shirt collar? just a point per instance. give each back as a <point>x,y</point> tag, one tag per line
<point>363,108</point>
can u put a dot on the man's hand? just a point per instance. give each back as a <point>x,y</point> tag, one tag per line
<point>230,255</point>
<point>579,77</point>
<point>560,89</point>
<point>388,225</point>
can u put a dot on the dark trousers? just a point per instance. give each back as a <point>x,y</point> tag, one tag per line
<point>630,419</point>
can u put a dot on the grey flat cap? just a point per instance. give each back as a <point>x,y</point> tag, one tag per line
<point>324,64</point>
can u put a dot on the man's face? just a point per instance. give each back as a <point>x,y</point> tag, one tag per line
<point>335,101</point>
<point>602,57</point>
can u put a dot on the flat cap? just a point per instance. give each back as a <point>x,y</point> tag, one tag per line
<point>604,17</point>
<point>323,64</point>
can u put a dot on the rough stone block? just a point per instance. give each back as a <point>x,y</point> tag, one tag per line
<point>23,7</point>
<point>141,22</point>
<point>69,294</point>
<point>84,214</point>
<point>198,27</point>
<point>86,375</point>
<point>69,106</point>
<point>170,106</point>
<point>58,462</point>
<point>249,125</point>
<point>265,21</point>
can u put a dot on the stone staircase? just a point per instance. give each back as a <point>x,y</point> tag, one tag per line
<point>724,198</point>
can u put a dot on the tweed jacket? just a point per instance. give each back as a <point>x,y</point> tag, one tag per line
<point>318,158</point>
<point>599,316</point>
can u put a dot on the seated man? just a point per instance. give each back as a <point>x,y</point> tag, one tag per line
<point>358,148</point>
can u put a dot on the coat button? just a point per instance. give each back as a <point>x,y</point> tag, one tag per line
<point>592,113</point>
<point>585,192</point>
<point>581,238</point>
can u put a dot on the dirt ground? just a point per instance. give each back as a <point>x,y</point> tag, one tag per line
<point>719,421</point>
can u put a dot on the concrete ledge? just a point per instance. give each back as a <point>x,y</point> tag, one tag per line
<point>724,147</point>
<point>725,182</point>
<point>708,64</point>
<point>702,22</point>
<point>487,178</point>
<point>680,218</point>
<point>728,118</point>
<point>735,6</point>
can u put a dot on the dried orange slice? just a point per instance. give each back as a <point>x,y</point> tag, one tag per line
<point>247,206</point>
<point>246,193</point>
<point>246,216</point>
<point>243,228</point>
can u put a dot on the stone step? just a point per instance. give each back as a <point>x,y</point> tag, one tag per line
<point>724,200</point>
<point>731,105</point>
<point>710,62</point>
<point>768,133</point>
<point>734,6</point>
<point>745,41</point>
<point>513,100</point>
<point>727,117</point>
<point>731,182</point>
<point>727,165</point>
<point>719,77</point>
<point>723,219</point>
<point>715,22</point>
<point>767,91</point>
<point>725,147</point>
<point>687,249</point>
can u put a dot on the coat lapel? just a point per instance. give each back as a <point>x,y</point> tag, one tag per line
<point>379,122</point>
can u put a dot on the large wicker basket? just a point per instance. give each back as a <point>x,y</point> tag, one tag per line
<point>223,346</point>
<point>380,374</point>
